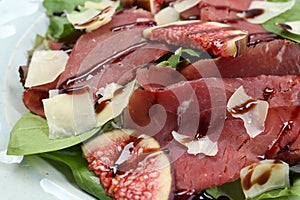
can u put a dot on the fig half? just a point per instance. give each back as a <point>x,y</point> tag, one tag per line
<point>216,38</point>
<point>130,165</point>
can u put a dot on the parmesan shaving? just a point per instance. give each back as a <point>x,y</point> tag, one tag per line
<point>271,10</point>
<point>254,118</point>
<point>196,146</point>
<point>45,67</point>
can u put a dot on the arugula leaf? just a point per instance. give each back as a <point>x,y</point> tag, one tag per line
<point>30,136</point>
<point>84,178</point>
<point>174,60</point>
<point>60,29</point>
<point>56,6</point>
<point>290,15</point>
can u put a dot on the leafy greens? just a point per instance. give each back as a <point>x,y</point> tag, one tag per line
<point>60,29</point>
<point>290,15</point>
<point>30,136</point>
<point>234,190</point>
<point>85,179</point>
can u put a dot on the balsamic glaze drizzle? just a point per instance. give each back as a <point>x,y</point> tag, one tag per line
<point>99,66</point>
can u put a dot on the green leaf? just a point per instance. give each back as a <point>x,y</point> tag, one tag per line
<point>53,6</point>
<point>60,27</point>
<point>191,52</point>
<point>174,59</point>
<point>278,0</point>
<point>283,194</point>
<point>290,15</point>
<point>84,178</point>
<point>30,136</point>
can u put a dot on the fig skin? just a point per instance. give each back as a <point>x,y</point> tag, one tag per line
<point>130,165</point>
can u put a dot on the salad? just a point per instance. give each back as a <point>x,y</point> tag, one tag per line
<point>153,99</point>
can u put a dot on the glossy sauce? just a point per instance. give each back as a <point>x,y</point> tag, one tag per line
<point>268,93</point>
<point>285,128</point>
<point>255,38</point>
<point>245,14</point>
<point>90,21</point>
<point>99,66</point>
<point>244,108</point>
<point>192,195</point>
<point>75,90</point>
<point>132,25</point>
<point>184,194</point>
<point>128,158</point>
<point>253,13</point>
<point>99,107</point>
<point>247,183</point>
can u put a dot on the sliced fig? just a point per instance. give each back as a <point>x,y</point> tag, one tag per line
<point>130,165</point>
<point>218,39</point>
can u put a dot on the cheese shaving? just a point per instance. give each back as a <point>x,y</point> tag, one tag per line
<point>252,112</point>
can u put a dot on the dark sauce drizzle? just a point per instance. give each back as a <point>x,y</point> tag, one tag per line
<point>286,127</point>
<point>192,195</point>
<point>253,38</point>
<point>132,25</point>
<point>124,164</point>
<point>105,10</point>
<point>268,93</point>
<point>260,37</point>
<point>244,108</point>
<point>99,66</point>
<point>248,181</point>
<point>74,91</point>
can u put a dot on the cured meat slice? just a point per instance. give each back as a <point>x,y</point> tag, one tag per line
<point>278,57</point>
<point>32,97</point>
<point>277,90</point>
<point>236,148</point>
<point>99,45</point>
<point>122,69</point>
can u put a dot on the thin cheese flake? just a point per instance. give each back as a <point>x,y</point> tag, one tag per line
<point>94,16</point>
<point>271,10</point>
<point>166,16</point>
<point>45,67</point>
<point>196,146</point>
<point>69,114</point>
<point>254,118</point>
<point>115,99</point>
<point>181,6</point>
<point>264,176</point>
<point>294,27</point>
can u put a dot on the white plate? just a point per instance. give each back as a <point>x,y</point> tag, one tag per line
<point>33,178</point>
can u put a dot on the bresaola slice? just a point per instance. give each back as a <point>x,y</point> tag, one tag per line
<point>236,150</point>
<point>99,45</point>
<point>120,69</point>
<point>101,53</point>
<point>277,57</point>
<point>216,38</point>
<point>235,147</point>
<point>277,90</point>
